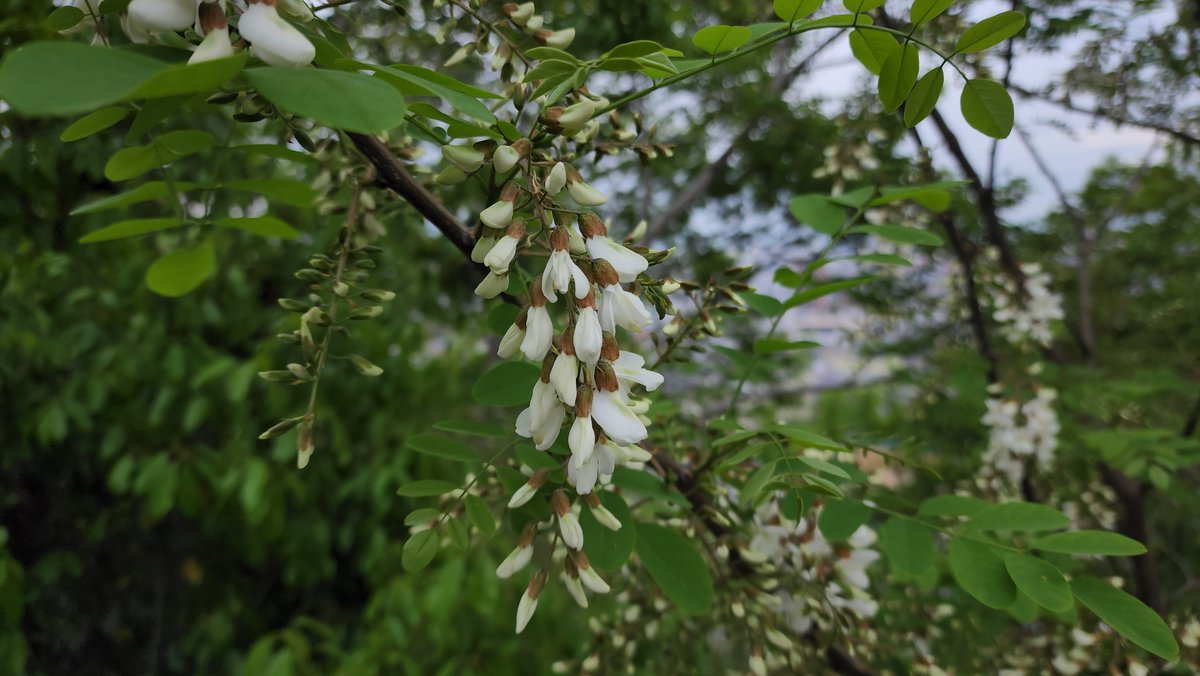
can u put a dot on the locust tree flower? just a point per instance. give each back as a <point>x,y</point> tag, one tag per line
<point>570,578</point>
<point>514,336</point>
<point>601,463</point>
<point>611,412</point>
<point>561,270</point>
<point>272,39</point>
<point>565,372</point>
<point>518,558</point>
<point>483,246</point>
<point>542,420</point>
<point>587,574</point>
<point>528,489</point>
<point>630,367</point>
<point>589,337</point>
<point>500,213</point>
<point>529,600</point>
<point>568,523</point>
<point>215,28</point>
<point>605,517</point>
<point>628,264</point>
<point>297,9</point>
<point>519,14</point>
<point>618,307</point>
<point>582,438</point>
<point>162,15</point>
<point>539,328</point>
<point>493,285</point>
<point>506,157</point>
<point>502,254</point>
<point>581,192</point>
<point>560,39</point>
<point>556,180</point>
<point>467,158</point>
<point>572,118</point>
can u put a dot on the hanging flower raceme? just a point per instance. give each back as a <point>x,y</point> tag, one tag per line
<point>272,39</point>
<point>628,264</point>
<point>213,25</point>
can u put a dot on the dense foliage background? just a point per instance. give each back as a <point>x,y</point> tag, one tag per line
<point>145,529</point>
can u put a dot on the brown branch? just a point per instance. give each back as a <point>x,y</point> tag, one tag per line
<point>1104,114</point>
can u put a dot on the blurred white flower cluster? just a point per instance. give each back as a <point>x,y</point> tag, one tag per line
<point>849,160</point>
<point>1018,434</point>
<point>1028,315</point>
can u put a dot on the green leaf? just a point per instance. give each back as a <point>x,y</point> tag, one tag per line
<point>132,162</point>
<point>93,122</point>
<point>263,226</point>
<point>1019,516</point>
<point>951,505</point>
<point>1097,542</point>
<point>536,459</point>
<point>180,271</point>
<point>182,79</point>
<point>907,545</point>
<point>285,190</point>
<point>480,515</point>
<point>872,48</point>
<point>990,32</point>
<point>840,518</point>
<point>278,152</point>
<point>411,80</point>
<point>818,213</point>
<point>551,68</point>
<point>897,75</point>
<point>676,567</point>
<point>426,488</point>
<point>419,550</point>
<point>634,49</point>
<point>458,533</point>
<point>773,345</point>
<point>442,447</point>
<point>608,549</point>
<point>987,107</point>
<point>981,573</point>
<point>422,515</point>
<point>145,192</point>
<point>791,10</point>
<point>131,228</point>
<point>858,6</point>
<point>882,259</point>
<point>543,53</point>
<point>927,10</point>
<point>338,99</point>
<point>506,384</point>
<point>722,38</point>
<point>1040,580</point>
<point>924,97</point>
<point>932,196</point>
<point>64,18</point>
<point>763,305</point>
<point>826,289</point>
<point>822,466</point>
<point>472,428</point>
<point>755,483</point>
<point>1128,616</point>
<point>807,437</point>
<point>900,233</point>
<point>67,78</point>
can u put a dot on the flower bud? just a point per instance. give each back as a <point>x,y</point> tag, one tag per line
<point>529,600</point>
<point>556,180</point>
<point>568,523</point>
<point>519,14</point>
<point>466,158</point>
<point>557,39</point>
<point>587,574</point>
<point>583,193</point>
<point>493,285</point>
<point>575,116</point>
<point>505,158</point>
<point>603,516</point>
<point>529,489</point>
<point>162,15</point>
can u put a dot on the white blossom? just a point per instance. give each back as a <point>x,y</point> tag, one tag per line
<point>272,39</point>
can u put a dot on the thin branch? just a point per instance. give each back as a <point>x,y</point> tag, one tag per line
<point>1104,114</point>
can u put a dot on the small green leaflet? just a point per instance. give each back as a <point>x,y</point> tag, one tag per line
<point>987,107</point>
<point>872,47</point>
<point>1093,542</point>
<point>263,226</point>
<point>907,545</point>
<point>67,78</point>
<point>899,233</point>
<point>924,97</point>
<point>334,98</point>
<point>180,271</point>
<point>442,447</point>
<point>1130,617</point>
<point>981,573</point>
<point>791,10</point>
<point>990,32</point>
<point>145,192</point>
<point>951,505</point>
<point>897,75</point>
<point>840,518</point>
<point>472,428</point>
<point>722,38</point>
<point>927,10</point>
<point>131,228</point>
<point>1040,580</point>
<point>1019,516</point>
<point>773,345</point>
<point>64,18</point>
<point>506,384</point>
<point>817,212</point>
<point>285,190</point>
<point>676,567</point>
<point>182,79</point>
<point>419,550</point>
<point>93,122</point>
<point>480,515</point>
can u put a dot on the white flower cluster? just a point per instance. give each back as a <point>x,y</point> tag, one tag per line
<point>522,17</point>
<point>798,551</point>
<point>1027,316</point>
<point>586,382</point>
<point>1019,433</point>
<point>847,161</point>
<point>272,39</point>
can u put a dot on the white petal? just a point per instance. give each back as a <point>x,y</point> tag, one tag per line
<point>563,376</point>
<point>498,215</point>
<point>274,40</point>
<point>511,342</point>
<point>539,334</point>
<point>556,179</point>
<point>514,562</point>
<point>215,45</point>
<point>614,417</point>
<point>585,194</point>
<point>582,440</point>
<point>505,158</point>
<point>628,264</point>
<point>575,590</point>
<point>572,533</point>
<point>593,581</point>
<point>525,610</point>
<point>501,255</point>
<point>164,15</point>
<point>588,337</point>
